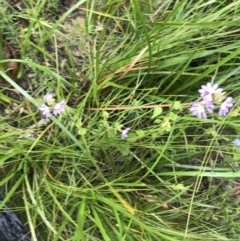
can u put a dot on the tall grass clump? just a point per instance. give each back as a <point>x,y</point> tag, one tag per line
<point>120,150</point>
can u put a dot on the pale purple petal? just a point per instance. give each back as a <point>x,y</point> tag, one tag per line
<point>45,111</point>
<point>209,106</point>
<point>48,96</point>
<point>225,106</point>
<point>237,142</point>
<point>124,132</point>
<point>59,107</point>
<point>198,110</point>
<point>208,90</point>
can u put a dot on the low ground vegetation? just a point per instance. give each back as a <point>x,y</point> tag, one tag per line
<point>120,119</point>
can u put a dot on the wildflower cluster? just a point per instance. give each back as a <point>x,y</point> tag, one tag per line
<point>211,97</point>
<point>50,106</point>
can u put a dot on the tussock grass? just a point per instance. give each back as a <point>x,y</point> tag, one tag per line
<point>122,64</point>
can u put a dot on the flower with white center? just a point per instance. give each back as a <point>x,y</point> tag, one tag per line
<point>45,111</point>
<point>49,99</point>
<point>48,96</point>
<point>208,91</point>
<point>209,106</point>
<point>225,106</point>
<point>211,97</point>
<point>59,107</point>
<point>198,109</point>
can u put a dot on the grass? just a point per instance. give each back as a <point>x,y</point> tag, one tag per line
<point>120,64</point>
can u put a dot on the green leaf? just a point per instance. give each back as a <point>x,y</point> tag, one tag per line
<point>140,133</point>
<point>173,116</point>
<point>125,150</point>
<point>177,105</point>
<point>157,121</point>
<point>166,125</point>
<point>82,131</point>
<point>105,115</point>
<point>156,112</point>
<point>79,123</point>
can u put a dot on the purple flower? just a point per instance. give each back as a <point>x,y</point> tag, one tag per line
<point>45,111</point>
<point>224,108</point>
<point>225,187</point>
<point>209,106</point>
<point>124,132</point>
<point>237,142</point>
<point>198,109</point>
<point>59,107</point>
<point>48,96</point>
<point>208,90</point>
